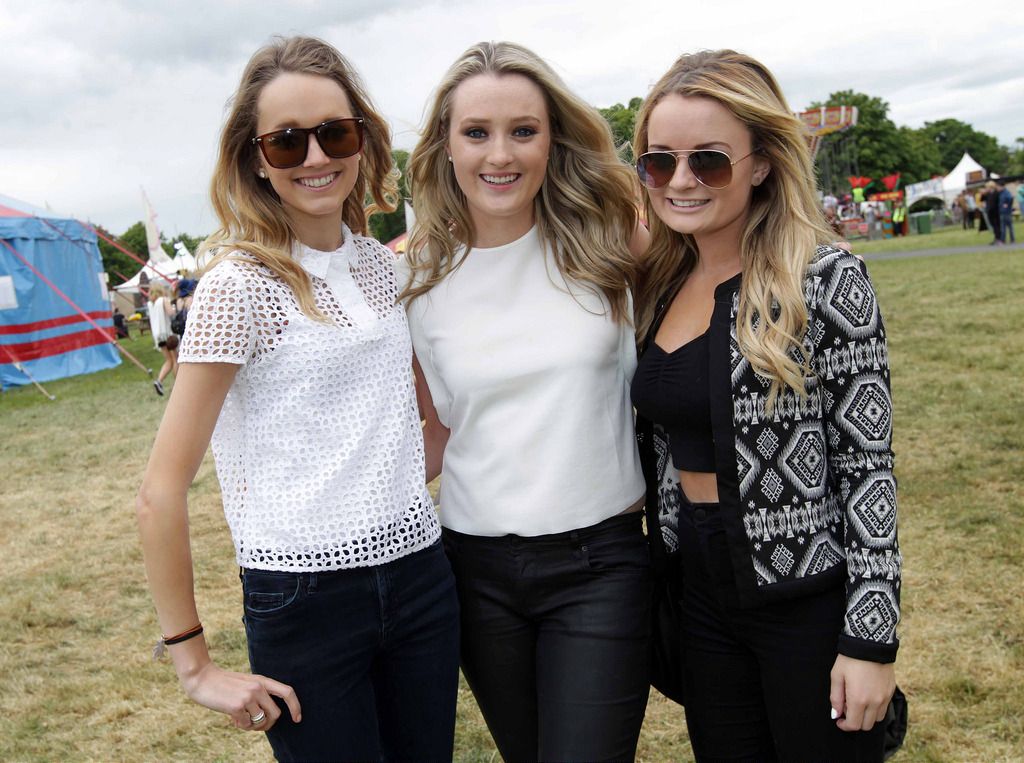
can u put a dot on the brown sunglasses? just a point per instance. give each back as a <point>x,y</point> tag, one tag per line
<point>338,138</point>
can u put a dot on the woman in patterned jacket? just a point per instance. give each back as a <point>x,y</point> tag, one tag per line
<point>765,426</point>
<point>296,350</point>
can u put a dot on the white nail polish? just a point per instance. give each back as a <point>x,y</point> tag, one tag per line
<point>835,714</point>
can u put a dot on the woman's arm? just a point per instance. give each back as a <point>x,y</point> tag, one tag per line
<point>435,434</point>
<point>851,362</point>
<point>162,512</point>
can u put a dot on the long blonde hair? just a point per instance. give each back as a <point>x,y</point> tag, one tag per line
<point>586,208</point>
<point>784,224</point>
<point>251,215</point>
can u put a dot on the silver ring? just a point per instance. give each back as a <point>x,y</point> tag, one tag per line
<point>258,718</point>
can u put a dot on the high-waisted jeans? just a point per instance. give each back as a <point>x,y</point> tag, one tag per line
<point>758,679</point>
<point>555,638</point>
<point>371,652</point>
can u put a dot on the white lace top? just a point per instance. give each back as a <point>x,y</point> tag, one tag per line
<point>318,447</point>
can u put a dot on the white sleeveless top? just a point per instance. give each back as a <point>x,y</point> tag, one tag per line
<point>534,384</point>
<point>318,447</point>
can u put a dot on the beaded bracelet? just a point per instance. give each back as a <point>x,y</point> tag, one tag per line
<point>165,641</point>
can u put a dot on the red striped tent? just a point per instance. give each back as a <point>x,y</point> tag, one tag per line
<point>55,318</point>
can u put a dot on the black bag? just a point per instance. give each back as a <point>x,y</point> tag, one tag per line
<point>896,718</point>
<point>666,635</point>
<point>178,321</point>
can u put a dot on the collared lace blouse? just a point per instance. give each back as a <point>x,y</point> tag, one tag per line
<point>318,446</point>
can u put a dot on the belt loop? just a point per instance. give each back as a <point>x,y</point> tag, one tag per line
<point>311,587</point>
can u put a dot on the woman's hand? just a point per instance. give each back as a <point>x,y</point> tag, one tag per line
<point>860,692</point>
<point>241,695</point>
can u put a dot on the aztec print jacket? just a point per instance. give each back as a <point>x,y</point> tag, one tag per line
<point>807,494</point>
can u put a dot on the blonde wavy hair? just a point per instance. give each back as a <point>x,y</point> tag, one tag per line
<point>784,225</point>
<point>251,215</point>
<point>586,209</point>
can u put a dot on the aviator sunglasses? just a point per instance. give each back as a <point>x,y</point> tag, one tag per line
<point>712,168</point>
<point>338,138</point>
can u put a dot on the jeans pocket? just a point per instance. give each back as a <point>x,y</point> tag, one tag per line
<point>268,593</point>
<point>626,553</point>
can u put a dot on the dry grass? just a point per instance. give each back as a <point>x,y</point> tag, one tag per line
<point>76,623</point>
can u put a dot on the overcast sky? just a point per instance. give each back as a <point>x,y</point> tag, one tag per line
<point>100,97</point>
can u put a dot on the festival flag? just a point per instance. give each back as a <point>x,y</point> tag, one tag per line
<point>157,255</point>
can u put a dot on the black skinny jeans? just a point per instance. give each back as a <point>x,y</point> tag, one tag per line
<point>758,679</point>
<point>555,638</point>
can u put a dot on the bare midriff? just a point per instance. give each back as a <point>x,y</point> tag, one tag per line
<point>699,487</point>
<point>635,507</point>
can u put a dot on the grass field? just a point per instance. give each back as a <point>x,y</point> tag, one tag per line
<point>77,626</point>
<point>940,238</point>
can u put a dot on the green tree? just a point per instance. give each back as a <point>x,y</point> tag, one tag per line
<point>921,158</point>
<point>385,227</point>
<point>952,137</point>
<point>191,243</point>
<point>115,262</point>
<point>622,120</point>
<point>1017,158</point>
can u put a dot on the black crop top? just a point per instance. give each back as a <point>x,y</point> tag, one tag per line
<point>671,388</point>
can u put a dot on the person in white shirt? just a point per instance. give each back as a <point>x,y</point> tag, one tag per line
<point>160,327</point>
<point>297,361</point>
<point>519,305</point>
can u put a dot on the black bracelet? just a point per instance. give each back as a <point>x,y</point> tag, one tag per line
<point>185,636</point>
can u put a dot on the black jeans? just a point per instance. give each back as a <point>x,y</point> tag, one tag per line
<point>758,679</point>
<point>555,638</point>
<point>371,652</point>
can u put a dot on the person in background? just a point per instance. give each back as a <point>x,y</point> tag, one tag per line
<point>1005,199</point>
<point>160,312</point>
<point>991,211</point>
<point>520,310</point>
<point>899,218</point>
<point>765,424</point>
<point>120,326</point>
<point>297,362</point>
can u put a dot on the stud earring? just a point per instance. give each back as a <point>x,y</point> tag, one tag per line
<point>262,173</point>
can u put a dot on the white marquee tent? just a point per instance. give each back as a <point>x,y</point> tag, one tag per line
<point>946,188</point>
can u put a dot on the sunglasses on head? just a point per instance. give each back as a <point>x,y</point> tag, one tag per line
<point>338,138</point>
<point>711,167</point>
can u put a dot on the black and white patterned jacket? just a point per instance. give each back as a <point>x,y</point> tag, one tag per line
<point>807,494</point>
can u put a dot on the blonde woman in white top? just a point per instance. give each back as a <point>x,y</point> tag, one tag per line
<point>296,360</point>
<point>520,312</point>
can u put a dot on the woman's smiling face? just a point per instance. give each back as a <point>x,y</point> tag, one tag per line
<point>313,193</point>
<point>499,139</point>
<point>682,123</point>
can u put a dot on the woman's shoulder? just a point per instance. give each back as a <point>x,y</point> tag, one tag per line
<point>829,259</point>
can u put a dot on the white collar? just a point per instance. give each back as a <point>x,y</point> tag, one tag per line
<point>335,268</point>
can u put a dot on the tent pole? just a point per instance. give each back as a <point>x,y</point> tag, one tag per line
<point>77,309</point>
<point>17,364</point>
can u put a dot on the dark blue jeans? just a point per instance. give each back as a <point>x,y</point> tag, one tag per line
<point>555,638</point>
<point>758,679</point>
<point>371,652</point>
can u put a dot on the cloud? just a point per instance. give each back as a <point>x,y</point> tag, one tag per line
<point>98,97</point>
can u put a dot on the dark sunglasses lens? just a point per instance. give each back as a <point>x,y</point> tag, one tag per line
<point>656,169</point>
<point>712,168</point>
<point>285,148</point>
<point>341,138</point>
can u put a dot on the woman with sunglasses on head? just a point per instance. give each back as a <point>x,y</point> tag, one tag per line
<point>297,361</point>
<point>521,320</point>
<point>764,417</point>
